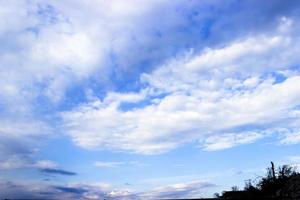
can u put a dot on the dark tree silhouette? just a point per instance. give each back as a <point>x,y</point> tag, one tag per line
<point>274,181</point>
<point>280,183</point>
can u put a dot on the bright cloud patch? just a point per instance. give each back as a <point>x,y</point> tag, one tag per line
<point>108,164</point>
<point>181,190</point>
<point>197,96</point>
<point>229,140</point>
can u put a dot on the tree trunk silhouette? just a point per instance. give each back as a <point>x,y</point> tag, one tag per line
<point>273,170</point>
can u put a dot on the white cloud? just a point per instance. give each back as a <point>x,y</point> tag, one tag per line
<point>193,189</point>
<point>290,136</point>
<point>45,164</point>
<point>228,140</point>
<point>114,164</point>
<point>17,162</point>
<point>20,139</point>
<point>41,190</point>
<point>207,93</point>
<point>57,49</point>
<point>52,45</point>
<point>252,47</point>
<point>52,55</point>
<point>23,128</point>
<point>13,162</point>
<point>196,105</point>
<point>294,159</point>
<point>48,47</point>
<point>12,14</point>
<point>108,164</point>
<point>188,99</point>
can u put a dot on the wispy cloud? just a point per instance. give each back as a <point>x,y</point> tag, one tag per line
<point>177,191</point>
<point>224,141</point>
<point>119,164</point>
<point>108,164</point>
<point>85,191</point>
<point>17,162</point>
<point>71,189</point>
<point>294,159</point>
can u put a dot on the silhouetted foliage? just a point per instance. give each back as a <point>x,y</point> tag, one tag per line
<point>217,195</point>
<point>274,181</point>
<point>234,188</point>
<point>281,183</point>
<point>250,188</point>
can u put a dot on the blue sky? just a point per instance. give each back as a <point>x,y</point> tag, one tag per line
<point>145,99</point>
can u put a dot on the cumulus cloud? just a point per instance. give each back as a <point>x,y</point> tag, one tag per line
<point>247,83</point>
<point>143,77</point>
<point>52,45</point>
<point>57,47</point>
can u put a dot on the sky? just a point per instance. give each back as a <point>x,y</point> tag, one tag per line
<point>146,99</point>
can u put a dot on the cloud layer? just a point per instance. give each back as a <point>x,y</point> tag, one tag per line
<point>215,94</point>
<point>143,77</point>
<point>200,81</point>
<point>99,191</point>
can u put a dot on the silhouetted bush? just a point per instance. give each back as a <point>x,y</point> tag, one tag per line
<point>283,183</point>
